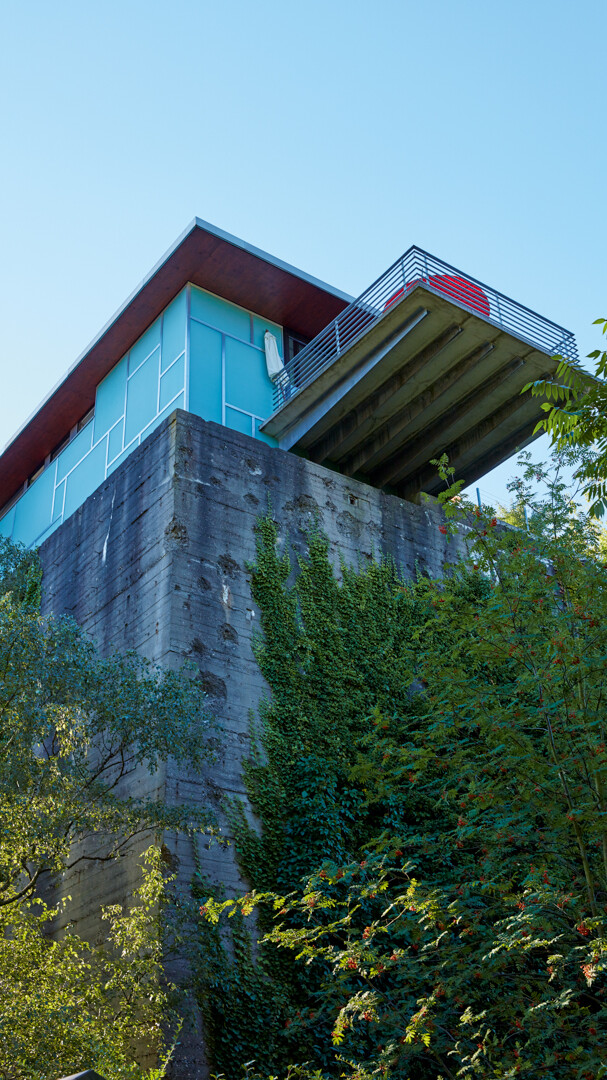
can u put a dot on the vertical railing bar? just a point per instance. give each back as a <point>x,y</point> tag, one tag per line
<point>364,312</point>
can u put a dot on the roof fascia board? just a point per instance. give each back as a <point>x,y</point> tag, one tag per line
<point>260,254</point>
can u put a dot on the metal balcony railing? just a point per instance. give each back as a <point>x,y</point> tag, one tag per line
<point>418,267</point>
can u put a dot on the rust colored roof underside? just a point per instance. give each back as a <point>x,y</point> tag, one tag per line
<point>207,257</point>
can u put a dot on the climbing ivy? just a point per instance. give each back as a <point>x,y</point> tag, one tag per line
<point>431,777</point>
<point>334,650</point>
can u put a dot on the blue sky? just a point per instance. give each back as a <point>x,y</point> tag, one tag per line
<point>331,134</point>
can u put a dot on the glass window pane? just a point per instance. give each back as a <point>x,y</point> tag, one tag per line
<point>33,511</point>
<point>109,404</point>
<point>115,441</point>
<point>178,403</point>
<point>173,330</point>
<point>205,372</point>
<point>58,501</point>
<point>87,476</point>
<point>247,383</point>
<point>238,421</point>
<point>220,314</point>
<point>144,346</point>
<point>261,435</point>
<point>172,382</point>
<point>259,328</point>
<point>142,397</point>
<point>74,451</point>
<point>7,523</point>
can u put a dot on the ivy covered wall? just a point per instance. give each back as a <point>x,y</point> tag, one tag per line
<point>156,560</point>
<point>335,654</point>
<point>430,777</point>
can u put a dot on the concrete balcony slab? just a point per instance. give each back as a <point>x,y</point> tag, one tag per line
<point>428,375</point>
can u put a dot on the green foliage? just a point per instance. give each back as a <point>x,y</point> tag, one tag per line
<point>240,996</point>
<point>576,408</point>
<point>65,1003</point>
<point>513,514</point>
<point>73,728</point>
<point>20,573</point>
<point>330,652</point>
<point>451,918</point>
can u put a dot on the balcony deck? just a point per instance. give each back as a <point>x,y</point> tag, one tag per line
<point>426,361</point>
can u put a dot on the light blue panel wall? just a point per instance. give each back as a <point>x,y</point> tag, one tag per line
<point>220,313</point>
<point>264,438</point>
<point>75,451</point>
<point>87,476</point>
<point>33,511</point>
<point>115,442</point>
<point>149,341</point>
<point>152,380</point>
<point>238,421</point>
<point>109,401</point>
<point>205,372</point>
<point>6,525</point>
<point>259,328</point>
<point>247,383</point>
<point>178,403</point>
<point>142,397</point>
<point>172,382</point>
<point>45,535</point>
<point>58,500</point>
<point>118,461</point>
<point>173,330</point>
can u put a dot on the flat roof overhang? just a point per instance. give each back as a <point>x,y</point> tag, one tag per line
<point>429,377</point>
<point>205,256</point>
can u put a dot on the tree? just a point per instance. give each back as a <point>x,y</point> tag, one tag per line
<point>576,408</point>
<point>462,931</point>
<point>65,1004</point>
<point>73,728</point>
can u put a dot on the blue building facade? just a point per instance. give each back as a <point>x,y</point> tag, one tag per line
<point>203,354</point>
<point>427,360</point>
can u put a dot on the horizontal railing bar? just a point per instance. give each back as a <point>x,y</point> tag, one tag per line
<point>417,266</point>
<point>502,296</point>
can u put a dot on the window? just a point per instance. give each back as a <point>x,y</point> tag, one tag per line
<point>36,473</point>
<point>59,447</point>
<point>86,419</point>
<point>88,416</point>
<point>294,343</point>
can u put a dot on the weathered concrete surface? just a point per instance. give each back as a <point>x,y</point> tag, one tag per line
<point>155,560</point>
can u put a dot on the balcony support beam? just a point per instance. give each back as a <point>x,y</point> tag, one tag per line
<point>426,476</point>
<point>367,417</point>
<point>404,420</point>
<point>410,455</point>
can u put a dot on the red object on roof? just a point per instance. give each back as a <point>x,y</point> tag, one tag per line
<point>466,292</point>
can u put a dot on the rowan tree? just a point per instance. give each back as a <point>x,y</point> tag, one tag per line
<point>575,403</point>
<point>465,933</point>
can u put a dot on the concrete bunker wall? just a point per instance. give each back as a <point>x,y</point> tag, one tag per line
<point>155,560</point>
